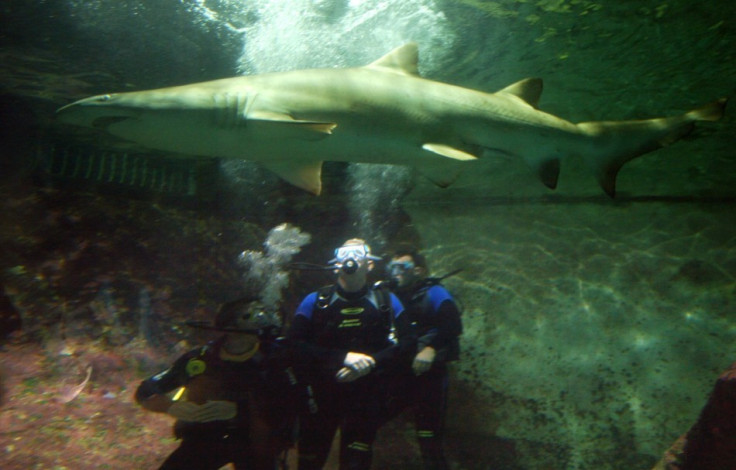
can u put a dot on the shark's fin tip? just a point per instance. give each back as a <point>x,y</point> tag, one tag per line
<point>549,172</point>
<point>608,182</point>
<point>712,111</point>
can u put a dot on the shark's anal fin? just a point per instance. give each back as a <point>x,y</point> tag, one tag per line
<point>307,176</point>
<point>449,152</point>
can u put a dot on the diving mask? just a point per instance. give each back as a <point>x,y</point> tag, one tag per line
<point>396,268</point>
<point>348,256</point>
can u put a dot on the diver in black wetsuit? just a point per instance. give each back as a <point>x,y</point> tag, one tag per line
<point>347,337</point>
<point>232,397</point>
<point>432,311</point>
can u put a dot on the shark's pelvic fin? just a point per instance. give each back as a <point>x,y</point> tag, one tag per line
<point>529,90</point>
<point>307,176</point>
<point>443,175</point>
<point>403,59</point>
<point>449,152</point>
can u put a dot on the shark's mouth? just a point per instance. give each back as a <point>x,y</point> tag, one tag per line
<point>105,122</point>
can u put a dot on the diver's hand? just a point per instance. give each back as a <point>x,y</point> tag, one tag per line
<point>346,374</point>
<point>210,411</point>
<point>361,363</point>
<point>423,361</point>
<point>356,365</point>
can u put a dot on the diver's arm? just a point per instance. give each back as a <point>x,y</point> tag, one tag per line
<point>153,393</point>
<point>447,325</point>
<point>401,353</point>
<point>301,338</point>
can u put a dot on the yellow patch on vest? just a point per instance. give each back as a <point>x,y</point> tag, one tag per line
<point>195,367</point>
<point>352,310</point>
<point>350,323</point>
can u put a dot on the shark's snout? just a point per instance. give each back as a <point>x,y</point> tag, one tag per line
<point>97,111</point>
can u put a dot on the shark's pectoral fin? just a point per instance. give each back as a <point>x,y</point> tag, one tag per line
<point>287,128</point>
<point>449,152</point>
<point>307,176</point>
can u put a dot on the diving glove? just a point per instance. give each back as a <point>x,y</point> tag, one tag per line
<point>355,366</point>
<point>423,361</point>
<point>361,363</point>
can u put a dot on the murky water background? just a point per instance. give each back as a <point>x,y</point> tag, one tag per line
<point>594,328</point>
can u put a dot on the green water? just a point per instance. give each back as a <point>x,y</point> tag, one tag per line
<point>594,328</point>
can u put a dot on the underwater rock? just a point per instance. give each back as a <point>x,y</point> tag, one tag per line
<point>710,444</point>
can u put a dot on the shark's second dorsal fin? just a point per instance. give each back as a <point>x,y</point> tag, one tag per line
<point>529,90</point>
<point>403,59</point>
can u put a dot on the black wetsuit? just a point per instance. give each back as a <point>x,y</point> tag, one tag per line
<point>261,388</point>
<point>328,324</point>
<point>433,312</point>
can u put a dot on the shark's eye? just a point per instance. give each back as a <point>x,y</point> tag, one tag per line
<point>105,98</point>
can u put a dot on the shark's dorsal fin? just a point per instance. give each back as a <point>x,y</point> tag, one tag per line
<point>529,90</point>
<point>307,176</point>
<point>403,59</point>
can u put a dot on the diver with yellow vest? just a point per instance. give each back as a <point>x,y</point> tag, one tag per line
<point>231,398</point>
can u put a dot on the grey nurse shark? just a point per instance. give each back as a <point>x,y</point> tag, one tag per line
<point>384,112</point>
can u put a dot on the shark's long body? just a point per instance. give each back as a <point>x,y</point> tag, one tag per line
<point>380,113</point>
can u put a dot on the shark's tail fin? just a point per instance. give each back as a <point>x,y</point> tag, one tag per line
<point>616,143</point>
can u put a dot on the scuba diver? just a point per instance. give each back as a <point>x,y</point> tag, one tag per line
<point>433,312</point>
<point>232,398</point>
<point>347,337</point>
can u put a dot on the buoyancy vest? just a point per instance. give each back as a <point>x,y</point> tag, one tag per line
<point>421,309</point>
<point>262,386</point>
<point>362,324</point>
